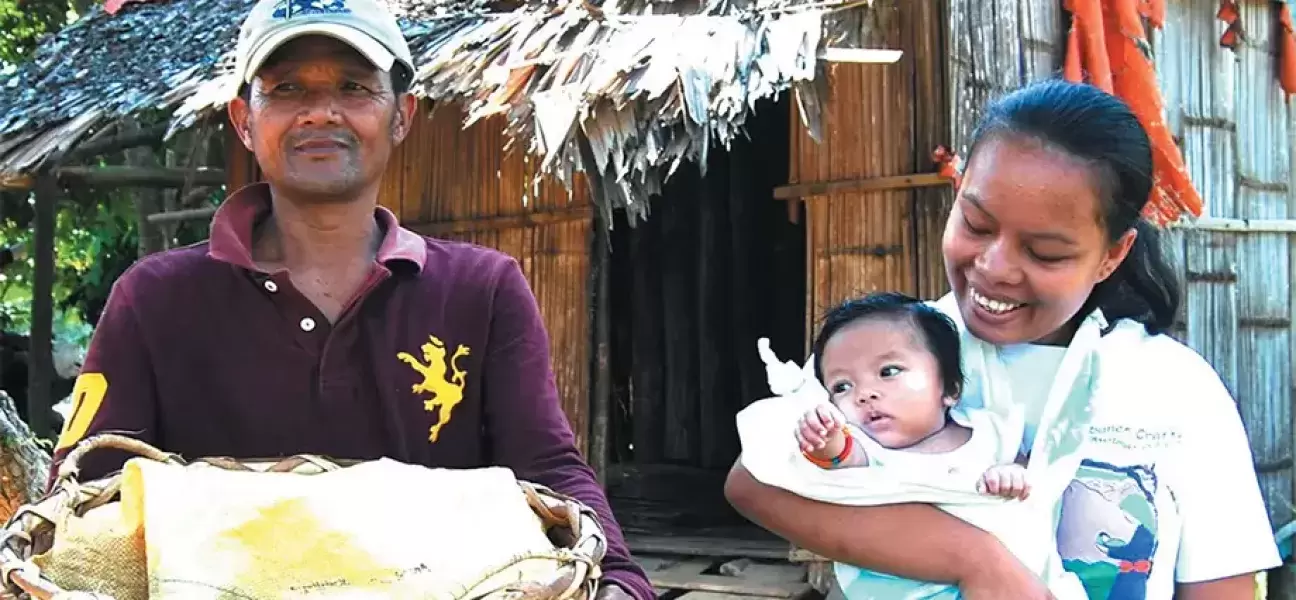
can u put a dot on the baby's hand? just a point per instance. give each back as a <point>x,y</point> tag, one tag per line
<point>821,432</point>
<point>1008,481</point>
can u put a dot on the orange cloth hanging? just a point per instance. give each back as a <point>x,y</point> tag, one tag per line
<point>948,165</point>
<point>1154,11</point>
<point>1228,13</point>
<point>1108,45</point>
<point>1286,51</point>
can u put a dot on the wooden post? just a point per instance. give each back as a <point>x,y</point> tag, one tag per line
<point>40,378</point>
<point>147,202</point>
<point>600,322</point>
<point>601,400</point>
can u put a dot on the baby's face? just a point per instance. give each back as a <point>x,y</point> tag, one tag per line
<point>883,378</point>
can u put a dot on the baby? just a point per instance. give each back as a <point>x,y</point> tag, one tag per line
<point>892,369</point>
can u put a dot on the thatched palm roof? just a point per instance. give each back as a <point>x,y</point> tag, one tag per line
<point>622,92</point>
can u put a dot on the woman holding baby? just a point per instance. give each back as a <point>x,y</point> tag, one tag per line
<point>1046,232</point>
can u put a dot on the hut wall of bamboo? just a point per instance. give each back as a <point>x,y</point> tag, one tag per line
<point>879,121</point>
<point>464,184</point>
<point>1225,107</point>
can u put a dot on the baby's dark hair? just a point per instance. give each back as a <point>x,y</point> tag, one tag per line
<point>938,331</point>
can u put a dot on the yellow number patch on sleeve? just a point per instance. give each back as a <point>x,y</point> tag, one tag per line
<point>87,397</point>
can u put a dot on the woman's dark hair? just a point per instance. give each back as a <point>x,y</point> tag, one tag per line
<point>937,331</point>
<point>1100,128</point>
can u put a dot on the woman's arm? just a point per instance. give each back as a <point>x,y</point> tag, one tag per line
<point>1238,587</point>
<point>914,541</point>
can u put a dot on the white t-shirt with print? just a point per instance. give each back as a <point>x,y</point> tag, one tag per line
<point>1031,368</point>
<point>1167,492</point>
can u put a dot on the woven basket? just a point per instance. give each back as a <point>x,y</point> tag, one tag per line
<point>574,529</point>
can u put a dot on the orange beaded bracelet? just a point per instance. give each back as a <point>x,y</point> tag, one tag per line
<point>836,460</point>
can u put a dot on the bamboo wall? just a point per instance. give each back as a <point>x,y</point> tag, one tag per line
<point>460,184</point>
<point>997,46</point>
<point>1227,111</point>
<point>879,121</point>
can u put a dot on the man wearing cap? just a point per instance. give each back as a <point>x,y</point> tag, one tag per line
<point>311,321</point>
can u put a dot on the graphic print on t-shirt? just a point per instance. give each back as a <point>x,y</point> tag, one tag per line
<point>1107,533</point>
<point>446,389</point>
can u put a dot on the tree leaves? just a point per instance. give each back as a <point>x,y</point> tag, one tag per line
<point>23,22</point>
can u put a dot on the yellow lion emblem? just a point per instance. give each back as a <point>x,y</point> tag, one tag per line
<point>446,393</point>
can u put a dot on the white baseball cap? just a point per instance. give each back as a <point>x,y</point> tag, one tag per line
<point>365,25</point>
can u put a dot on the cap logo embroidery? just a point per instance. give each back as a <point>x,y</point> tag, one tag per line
<point>288,9</point>
<point>446,392</point>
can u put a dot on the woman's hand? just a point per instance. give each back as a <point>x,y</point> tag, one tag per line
<point>1000,575</point>
<point>914,541</point>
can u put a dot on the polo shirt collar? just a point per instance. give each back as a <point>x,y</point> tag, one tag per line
<point>231,231</point>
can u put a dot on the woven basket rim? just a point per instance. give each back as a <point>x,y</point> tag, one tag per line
<point>21,536</point>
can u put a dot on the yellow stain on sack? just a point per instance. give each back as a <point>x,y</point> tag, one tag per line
<point>287,538</point>
<point>272,547</point>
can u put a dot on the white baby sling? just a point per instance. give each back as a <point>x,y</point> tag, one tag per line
<point>1027,528</point>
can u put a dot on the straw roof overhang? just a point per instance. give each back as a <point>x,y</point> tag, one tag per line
<point>616,91</point>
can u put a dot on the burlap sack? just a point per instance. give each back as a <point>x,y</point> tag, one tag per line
<point>98,552</point>
<point>304,527</point>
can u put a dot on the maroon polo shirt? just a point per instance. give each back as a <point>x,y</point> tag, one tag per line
<point>200,353</point>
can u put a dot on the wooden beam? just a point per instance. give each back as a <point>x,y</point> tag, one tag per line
<point>120,176</point>
<point>1239,225</point>
<point>40,374</point>
<point>867,184</point>
<point>503,222</point>
<point>706,546</point>
<point>686,576</point>
<point>125,139</point>
<point>188,214</point>
<point>13,181</point>
<point>140,176</point>
<point>799,555</point>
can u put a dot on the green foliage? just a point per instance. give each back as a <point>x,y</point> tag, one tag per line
<point>22,22</point>
<point>84,244</point>
<point>96,240</point>
<point>96,230</point>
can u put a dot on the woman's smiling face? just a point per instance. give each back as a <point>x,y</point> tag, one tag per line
<point>1024,245</point>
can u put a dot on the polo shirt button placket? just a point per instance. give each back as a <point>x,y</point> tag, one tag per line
<point>271,286</point>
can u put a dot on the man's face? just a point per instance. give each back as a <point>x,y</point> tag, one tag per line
<point>321,119</point>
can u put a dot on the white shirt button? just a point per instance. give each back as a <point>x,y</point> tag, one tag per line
<point>307,324</point>
<point>271,286</point>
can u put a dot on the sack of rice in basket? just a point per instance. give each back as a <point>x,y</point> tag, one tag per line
<point>298,528</point>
